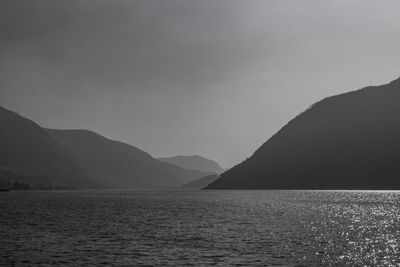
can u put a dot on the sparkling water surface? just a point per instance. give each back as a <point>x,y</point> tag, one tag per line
<point>199,228</point>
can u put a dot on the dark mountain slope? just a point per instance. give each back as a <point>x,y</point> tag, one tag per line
<point>120,165</point>
<point>195,163</point>
<point>348,141</point>
<point>29,154</point>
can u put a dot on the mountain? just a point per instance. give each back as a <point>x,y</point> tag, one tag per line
<point>119,165</point>
<point>29,155</point>
<point>201,182</point>
<point>195,163</point>
<point>37,158</point>
<point>347,141</point>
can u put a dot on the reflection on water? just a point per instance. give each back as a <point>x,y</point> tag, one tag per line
<point>199,228</point>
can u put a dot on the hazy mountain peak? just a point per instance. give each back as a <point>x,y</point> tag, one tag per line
<point>194,162</point>
<point>120,165</point>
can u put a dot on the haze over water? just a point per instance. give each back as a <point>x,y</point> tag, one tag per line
<point>170,228</point>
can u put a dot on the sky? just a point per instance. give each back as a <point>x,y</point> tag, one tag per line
<point>215,78</point>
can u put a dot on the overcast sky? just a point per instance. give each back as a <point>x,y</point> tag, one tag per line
<point>210,77</point>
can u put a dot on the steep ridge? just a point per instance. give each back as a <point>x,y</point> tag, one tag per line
<point>347,141</point>
<point>30,155</point>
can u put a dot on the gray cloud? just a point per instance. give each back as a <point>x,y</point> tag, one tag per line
<point>215,78</point>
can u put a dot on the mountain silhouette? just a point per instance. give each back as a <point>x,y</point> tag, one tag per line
<point>38,158</point>
<point>201,182</point>
<point>119,165</point>
<point>29,155</point>
<point>195,162</point>
<point>347,141</point>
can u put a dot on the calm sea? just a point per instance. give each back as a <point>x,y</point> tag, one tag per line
<point>175,228</point>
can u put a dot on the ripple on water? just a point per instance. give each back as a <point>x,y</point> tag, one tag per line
<point>169,228</point>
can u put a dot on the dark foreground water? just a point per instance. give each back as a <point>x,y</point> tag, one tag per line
<point>173,228</point>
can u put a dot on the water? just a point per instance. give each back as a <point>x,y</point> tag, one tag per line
<point>172,228</point>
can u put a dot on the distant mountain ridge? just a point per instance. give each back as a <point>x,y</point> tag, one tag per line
<point>120,165</point>
<point>347,141</point>
<point>194,162</point>
<point>41,158</point>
